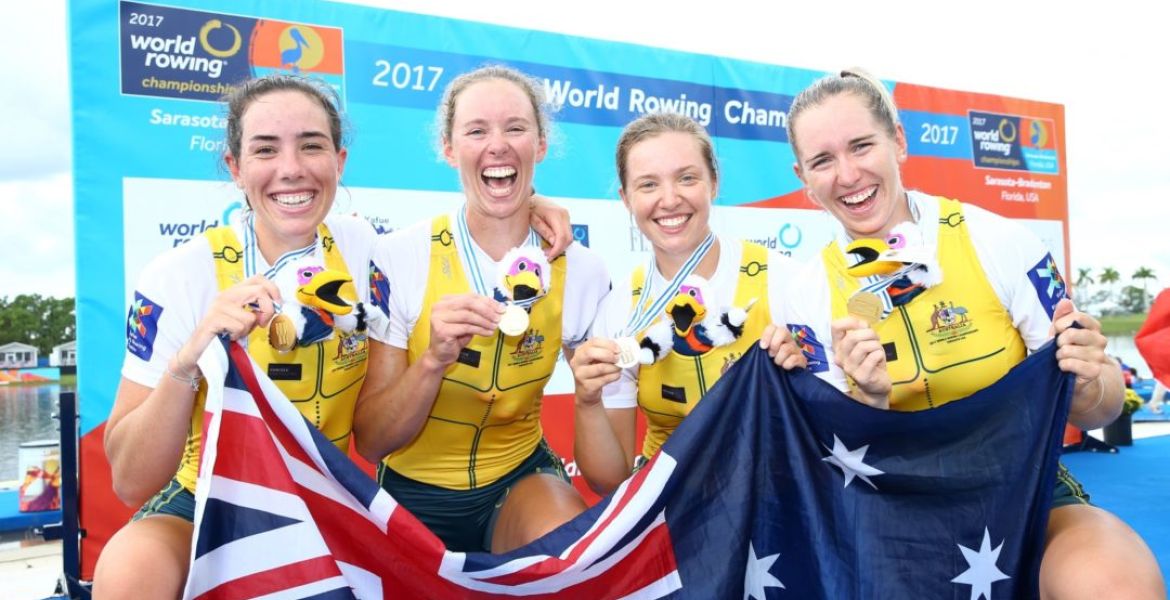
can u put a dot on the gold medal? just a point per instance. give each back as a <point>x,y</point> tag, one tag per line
<point>282,335</point>
<point>866,306</point>
<point>628,350</point>
<point>514,321</point>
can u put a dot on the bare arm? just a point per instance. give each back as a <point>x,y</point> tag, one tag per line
<point>147,429</point>
<point>396,396</point>
<point>551,221</point>
<point>1100,389</point>
<point>603,439</point>
<point>145,436</point>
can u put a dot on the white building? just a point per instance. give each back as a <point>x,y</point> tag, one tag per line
<point>15,355</point>
<point>64,355</point>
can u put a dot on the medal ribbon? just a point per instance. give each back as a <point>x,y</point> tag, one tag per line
<point>251,249</point>
<point>647,310</point>
<point>464,243</point>
<point>880,285</point>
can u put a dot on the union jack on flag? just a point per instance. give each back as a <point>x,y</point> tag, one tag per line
<point>776,486</point>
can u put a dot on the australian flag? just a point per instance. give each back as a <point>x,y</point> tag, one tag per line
<point>776,486</point>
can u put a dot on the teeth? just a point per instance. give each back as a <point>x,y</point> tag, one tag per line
<point>499,172</point>
<point>500,192</point>
<point>859,196</point>
<point>672,221</point>
<point>293,199</point>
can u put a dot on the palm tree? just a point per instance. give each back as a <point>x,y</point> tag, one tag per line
<point>1145,274</point>
<point>1108,277</point>
<point>1084,280</point>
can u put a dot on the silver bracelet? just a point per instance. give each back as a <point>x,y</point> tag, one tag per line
<point>1100,396</point>
<point>192,381</point>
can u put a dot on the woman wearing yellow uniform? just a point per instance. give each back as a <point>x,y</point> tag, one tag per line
<point>477,321</point>
<point>988,292</point>
<point>669,332</point>
<point>285,152</point>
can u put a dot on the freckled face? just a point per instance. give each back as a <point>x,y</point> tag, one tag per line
<point>851,165</point>
<point>288,168</point>
<point>495,144</point>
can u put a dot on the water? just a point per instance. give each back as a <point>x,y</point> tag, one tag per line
<point>26,414</point>
<point>1123,346</point>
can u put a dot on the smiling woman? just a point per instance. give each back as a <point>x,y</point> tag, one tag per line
<point>285,151</point>
<point>451,409</point>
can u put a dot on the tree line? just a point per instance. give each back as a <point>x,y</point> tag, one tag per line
<point>1104,294</point>
<point>38,321</point>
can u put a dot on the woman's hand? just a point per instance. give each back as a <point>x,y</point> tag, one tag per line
<point>551,221</point>
<point>1099,393</point>
<point>782,348</point>
<point>235,312</point>
<point>1079,350</point>
<point>455,320</point>
<point>858,351</point>
<point>594,365</point>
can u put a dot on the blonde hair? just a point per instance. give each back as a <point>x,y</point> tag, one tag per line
<point>849,81</point>
<point>445,116</point>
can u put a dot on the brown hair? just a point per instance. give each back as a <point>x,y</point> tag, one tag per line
<point>651,125</point>
<point>244,94</point>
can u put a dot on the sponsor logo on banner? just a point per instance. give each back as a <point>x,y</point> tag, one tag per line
<point>196,55</point>
<point>581,234</point>
<point>1014,143</point>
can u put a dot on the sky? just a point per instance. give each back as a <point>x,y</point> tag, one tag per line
<point>1104,62</point>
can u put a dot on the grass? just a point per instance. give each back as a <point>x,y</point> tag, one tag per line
<point>1122,324</point>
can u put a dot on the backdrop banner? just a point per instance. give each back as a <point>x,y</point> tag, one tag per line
<point>149,175</point>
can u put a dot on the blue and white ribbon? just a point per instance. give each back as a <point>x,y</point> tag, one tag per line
<point>464,243</point>
<point>647,309</point>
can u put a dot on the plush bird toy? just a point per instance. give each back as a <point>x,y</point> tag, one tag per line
<point>325,299</point>
<point>905,262</point>
<point>690,329</point>
<point>903,248</point>
<point>524,276</point>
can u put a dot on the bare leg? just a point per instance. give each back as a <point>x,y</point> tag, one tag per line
<point>1092,554</point>
<point>536,505</point>
<point>145,559</point>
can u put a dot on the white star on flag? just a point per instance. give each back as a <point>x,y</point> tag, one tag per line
<point>851,462</point>
<point>757,578</point>
<point>981,570</point>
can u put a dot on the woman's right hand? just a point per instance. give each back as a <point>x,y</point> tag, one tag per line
<point>458,318</point>
<point>594,365</point>
<point>858,351</point>
<point>235,313</point>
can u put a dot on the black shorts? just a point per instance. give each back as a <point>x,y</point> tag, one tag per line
<point>464,519</point>
<point>1068,490</point>
<point>174,500</point>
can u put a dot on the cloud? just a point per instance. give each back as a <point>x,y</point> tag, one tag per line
<point>37,230</point>
<point>35,97</point>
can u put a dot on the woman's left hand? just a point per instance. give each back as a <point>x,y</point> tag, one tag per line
<point>782,348</point>
<point>1097,396</point>
<point>551,221</point>
<point>1079,350</point>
